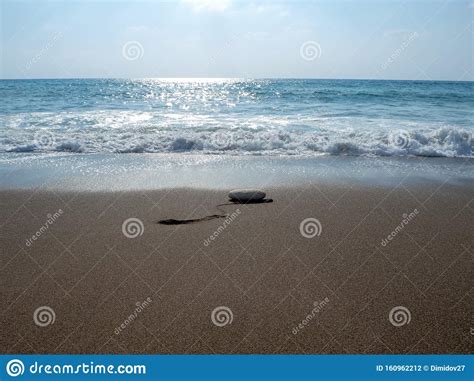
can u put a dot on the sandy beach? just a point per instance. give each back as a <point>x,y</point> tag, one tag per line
<point>237,190</point>
<point>383,270</point>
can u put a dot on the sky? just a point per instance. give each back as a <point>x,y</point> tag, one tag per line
<point>376,39</point>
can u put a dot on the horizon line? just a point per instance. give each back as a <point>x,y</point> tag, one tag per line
<point>236,78</point>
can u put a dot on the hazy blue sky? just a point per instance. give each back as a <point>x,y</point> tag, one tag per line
<point>383,39</point>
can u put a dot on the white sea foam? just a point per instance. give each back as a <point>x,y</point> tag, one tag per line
<point>142,132</point>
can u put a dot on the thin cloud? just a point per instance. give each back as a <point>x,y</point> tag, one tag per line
<point>209,5</point>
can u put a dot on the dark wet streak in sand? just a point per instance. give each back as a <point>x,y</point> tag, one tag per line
<point>224,214</point>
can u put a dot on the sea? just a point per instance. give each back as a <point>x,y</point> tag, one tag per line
<point>256,117</point>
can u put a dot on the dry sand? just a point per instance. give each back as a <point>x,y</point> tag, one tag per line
<point>259,266</point>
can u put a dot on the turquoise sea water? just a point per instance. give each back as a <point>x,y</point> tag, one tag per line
<point>238,117</point>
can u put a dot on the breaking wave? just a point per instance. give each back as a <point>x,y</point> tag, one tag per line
<point>439,142</point>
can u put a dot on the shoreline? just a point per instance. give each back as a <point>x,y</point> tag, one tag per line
<point>129,172</point>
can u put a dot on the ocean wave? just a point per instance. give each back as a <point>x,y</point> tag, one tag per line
<point>238,117</point>
<point>432,142</point>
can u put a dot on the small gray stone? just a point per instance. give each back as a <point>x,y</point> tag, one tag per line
<point>245,195</point>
